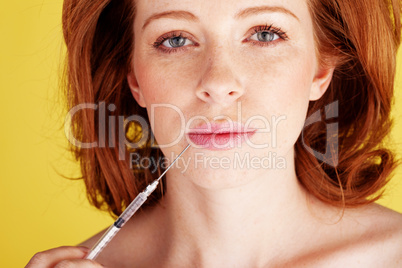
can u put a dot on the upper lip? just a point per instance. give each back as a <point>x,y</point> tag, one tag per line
<point>220,128</point>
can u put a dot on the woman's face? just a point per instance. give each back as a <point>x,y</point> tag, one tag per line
<point>253,59</point>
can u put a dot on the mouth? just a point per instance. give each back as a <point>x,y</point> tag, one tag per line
<point>223,136</point>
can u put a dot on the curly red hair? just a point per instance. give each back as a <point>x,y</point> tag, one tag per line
<point>361,35</point>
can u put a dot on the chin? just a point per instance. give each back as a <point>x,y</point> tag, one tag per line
<point>220,179</point>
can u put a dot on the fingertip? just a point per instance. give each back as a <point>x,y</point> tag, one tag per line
<point>83,248</point>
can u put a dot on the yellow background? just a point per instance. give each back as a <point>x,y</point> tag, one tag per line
<point>41,209</point>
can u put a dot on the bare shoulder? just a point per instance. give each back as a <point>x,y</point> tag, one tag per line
<point>378,239</point>
<point>118,252</point>
<point>108,254</point>
<point>368,236</point>
<point>383,221</point>
<point>90,242</point>
<point>135,243</point>
<point>387,223</point>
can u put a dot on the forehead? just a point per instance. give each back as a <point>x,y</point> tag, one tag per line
<point>220,10</point>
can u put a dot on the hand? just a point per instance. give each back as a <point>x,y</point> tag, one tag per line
<point>62,257</point>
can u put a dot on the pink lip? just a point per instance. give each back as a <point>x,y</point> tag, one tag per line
<point>222,136</point>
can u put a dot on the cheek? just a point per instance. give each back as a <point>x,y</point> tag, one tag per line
<point>160,87</point>
<point>161,82</point>
<point>280,88</point>
<point>286,77</point>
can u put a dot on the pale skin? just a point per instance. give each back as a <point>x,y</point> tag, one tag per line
<point>255,217</point>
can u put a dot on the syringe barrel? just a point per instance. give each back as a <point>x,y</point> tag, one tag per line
<point>112,231</point>
<point>131,209</point>
<point>102,243</point>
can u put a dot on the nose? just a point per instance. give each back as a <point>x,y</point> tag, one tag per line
<point>219,84</point>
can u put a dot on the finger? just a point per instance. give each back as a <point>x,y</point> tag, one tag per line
<point>78,264</point>
<point>51,257</point>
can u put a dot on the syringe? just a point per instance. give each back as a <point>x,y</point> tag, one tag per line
<point>127,214</point>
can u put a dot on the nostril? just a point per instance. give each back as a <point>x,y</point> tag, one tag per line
<point>232,93</point>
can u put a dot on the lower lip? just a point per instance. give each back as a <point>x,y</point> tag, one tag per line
<point>224,141</point>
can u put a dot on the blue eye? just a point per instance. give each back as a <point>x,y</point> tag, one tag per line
<point>265,36</point>
<point>177,41</point>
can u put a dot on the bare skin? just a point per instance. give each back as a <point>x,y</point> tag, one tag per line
<point>250,217</point>
<point>369,236</point>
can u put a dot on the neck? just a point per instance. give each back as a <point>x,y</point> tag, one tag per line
<point>247,224</point>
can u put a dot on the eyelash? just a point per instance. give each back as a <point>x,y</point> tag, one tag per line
<point>274,30</point>
<point>163,38</point>
<point>158,43</point>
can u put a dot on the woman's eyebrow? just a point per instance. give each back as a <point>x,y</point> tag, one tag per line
<point>176,14</point>
<point>264,9</point>
<point>185,15</point>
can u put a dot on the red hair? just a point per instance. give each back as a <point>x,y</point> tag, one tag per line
<point>362,36</point>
